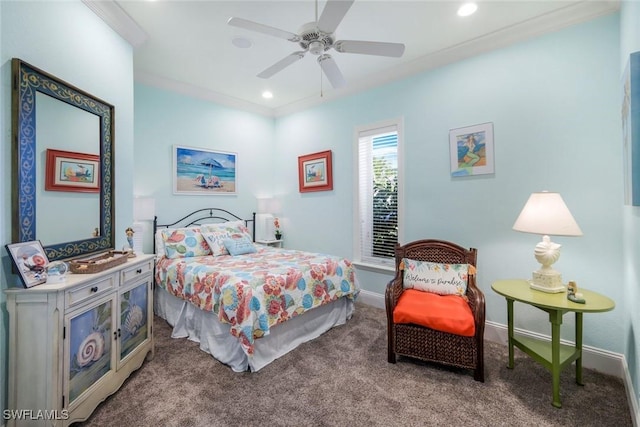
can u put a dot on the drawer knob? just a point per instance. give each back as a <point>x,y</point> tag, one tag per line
<point>94,289</point>
<point>139,271</point>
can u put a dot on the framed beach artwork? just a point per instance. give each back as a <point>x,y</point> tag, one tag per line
<point>71,171</point>
<point>471,150</point>
<point>314,172</point>
<point>200,171</point>
<point>30,262</point>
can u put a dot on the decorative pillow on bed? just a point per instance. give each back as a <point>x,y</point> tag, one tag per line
<point>442,279</point>
<point>184,242</point>
<point>216,234</point>
<point>239,245</point>
<point>229,226</point>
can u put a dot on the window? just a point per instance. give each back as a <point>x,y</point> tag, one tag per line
<point>379,189</point>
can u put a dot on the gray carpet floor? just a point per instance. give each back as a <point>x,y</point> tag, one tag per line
<point>343,379</point>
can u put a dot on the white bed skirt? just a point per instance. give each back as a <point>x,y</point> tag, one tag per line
<point>203,327</point>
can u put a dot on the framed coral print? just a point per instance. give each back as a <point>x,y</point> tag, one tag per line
<point>30,261</point>
<point>314,172</point>
<point>199,171</point>
<point>471,150</point>
<point>70,171</point>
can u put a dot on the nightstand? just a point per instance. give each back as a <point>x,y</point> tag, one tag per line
<point>272,243</point>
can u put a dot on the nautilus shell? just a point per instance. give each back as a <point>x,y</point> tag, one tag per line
<point>90,349</point>
<point>134,319</point>
<point>547,252</point>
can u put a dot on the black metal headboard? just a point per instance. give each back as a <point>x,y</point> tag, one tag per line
<point>201,216</point>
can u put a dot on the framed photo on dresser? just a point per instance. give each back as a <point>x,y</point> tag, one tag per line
<point>30,261</point>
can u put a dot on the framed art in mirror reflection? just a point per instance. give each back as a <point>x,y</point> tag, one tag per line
<point>71,171</point>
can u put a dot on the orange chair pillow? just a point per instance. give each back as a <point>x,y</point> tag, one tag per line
<point>445,313</point>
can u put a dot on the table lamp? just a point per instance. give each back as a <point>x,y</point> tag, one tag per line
<point>144,209</point>
<point>546,213</point>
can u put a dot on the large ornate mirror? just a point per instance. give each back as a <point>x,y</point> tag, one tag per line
<point>63,165</point>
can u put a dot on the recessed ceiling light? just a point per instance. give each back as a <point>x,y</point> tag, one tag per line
<point>267,95</point>
<point>241,42</point>
<point>467,9</point>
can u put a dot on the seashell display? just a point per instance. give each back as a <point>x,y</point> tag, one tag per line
<point>90,349</point>
<point>134,320</point>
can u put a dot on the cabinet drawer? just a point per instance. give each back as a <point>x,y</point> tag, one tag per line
<point>82,293</point>
<point>133,272</point>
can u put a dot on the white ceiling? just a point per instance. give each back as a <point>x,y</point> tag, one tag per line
<point>187,45</point>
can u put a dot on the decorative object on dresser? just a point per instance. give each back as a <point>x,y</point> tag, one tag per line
<point>471,150</point>
<point>57,272</point>
<point>248,326</point>
<point>435,311</point>
<point>315,172</point>
<point>30,261</point>
<point>97,263</point>
<point>48,110</point>
<point>73,344</point>
<point>546,213</point>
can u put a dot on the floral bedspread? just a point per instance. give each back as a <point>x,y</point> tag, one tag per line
<point>254,292</point>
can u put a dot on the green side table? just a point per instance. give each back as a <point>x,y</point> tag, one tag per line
<point>553,356</point>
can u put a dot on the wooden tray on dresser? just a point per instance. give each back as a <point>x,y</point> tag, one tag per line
<point>98,263</point>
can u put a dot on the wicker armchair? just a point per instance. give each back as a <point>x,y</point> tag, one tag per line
<point>427,344</point>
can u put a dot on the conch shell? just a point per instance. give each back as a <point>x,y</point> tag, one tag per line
<point>547,252</point>
<point>91,349</point>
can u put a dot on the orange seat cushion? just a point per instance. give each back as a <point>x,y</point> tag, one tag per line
<point>445,313</point>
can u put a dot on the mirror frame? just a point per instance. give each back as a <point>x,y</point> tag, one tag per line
<point>27,80</point>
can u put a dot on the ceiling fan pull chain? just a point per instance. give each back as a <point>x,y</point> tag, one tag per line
<point>321,92</point>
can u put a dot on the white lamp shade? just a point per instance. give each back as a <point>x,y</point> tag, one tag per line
<point>144,208</point>
<point>546,213</point>
<point>264,204</point>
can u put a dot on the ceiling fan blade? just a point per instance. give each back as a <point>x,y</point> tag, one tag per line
<point>281,65</point>
<point>264,29</point>
<point>331,70</point>
<point>370,48</point>
<point>332,14</point>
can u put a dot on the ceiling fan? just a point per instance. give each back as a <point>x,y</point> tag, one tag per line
<point>318,37</point>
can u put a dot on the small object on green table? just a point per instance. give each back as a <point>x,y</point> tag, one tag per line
<point>577,298</point>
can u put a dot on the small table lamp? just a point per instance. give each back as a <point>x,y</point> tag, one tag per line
<point>546,213</point>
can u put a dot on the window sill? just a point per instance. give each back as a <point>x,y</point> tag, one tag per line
<point>375,267</point>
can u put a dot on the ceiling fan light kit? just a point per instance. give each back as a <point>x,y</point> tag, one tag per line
<point>317,38</point>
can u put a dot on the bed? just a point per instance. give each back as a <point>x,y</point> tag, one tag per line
<point>245,303</point>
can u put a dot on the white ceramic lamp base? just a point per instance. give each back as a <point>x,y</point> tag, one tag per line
<point>547,281</point>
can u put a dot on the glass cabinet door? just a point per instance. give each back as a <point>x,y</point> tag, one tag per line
<point>88,344</point>
<point>134,318</point>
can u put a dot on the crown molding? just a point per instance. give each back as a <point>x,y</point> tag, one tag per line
<point>114,16</point>
<point>194,91</point>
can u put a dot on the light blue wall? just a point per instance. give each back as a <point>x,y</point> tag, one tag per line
<point>629,43</point>
<point>69,41</point>
<point>554,102</point>
<point>164,119</point>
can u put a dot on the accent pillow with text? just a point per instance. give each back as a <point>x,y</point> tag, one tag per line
<point>441,279</point>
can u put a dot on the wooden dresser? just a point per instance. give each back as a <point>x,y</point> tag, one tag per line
<point>73,344</point>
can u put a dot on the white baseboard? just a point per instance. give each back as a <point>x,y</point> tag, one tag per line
<point>594,358</point>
